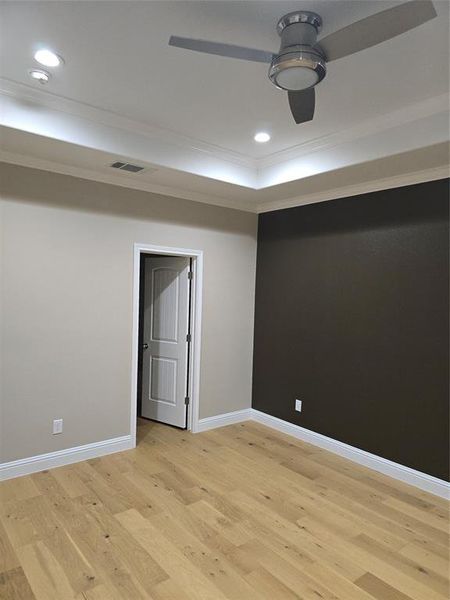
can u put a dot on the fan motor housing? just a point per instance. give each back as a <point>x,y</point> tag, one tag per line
<point>299,16</point>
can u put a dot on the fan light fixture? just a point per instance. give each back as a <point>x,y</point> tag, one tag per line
<point>48,58</point>
<point>262,137</point>
<point>298,66</point>
<point>301,62</point>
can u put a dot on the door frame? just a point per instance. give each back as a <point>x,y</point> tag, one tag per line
<point>196,326</point>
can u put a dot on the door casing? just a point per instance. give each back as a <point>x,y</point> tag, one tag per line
<point>196,321</point>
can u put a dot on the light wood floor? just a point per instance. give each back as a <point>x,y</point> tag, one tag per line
<point>241,512</point>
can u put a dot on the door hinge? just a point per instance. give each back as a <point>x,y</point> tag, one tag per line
<point>190,275</point>
<point>186,400</point>
<point>189,337</point>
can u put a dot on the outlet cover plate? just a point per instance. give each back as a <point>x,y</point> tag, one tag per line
<point>57,426</point>
<point>298,405</point>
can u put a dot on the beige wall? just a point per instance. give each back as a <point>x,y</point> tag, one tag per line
<point>66,311</point>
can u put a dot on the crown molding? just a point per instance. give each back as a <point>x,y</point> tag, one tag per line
<point>24,114</point>
<point>122,180</point>
<point>396,118</point>
<point>54,117</point>
<point>373,185</point>
<point>109,118</point>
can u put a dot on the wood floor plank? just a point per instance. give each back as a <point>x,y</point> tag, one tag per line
<point>437,520</point>
<point>371,559</point>
<point>194,583</point>
<point>80,573</point>
<point>292,540</point>
<point>8,558</point>
<point>70,481</point>
<point>18,528</point>
<point>20,488</point>
<point>241,512</point>
<point>403,564</point>
<point>100,592</point>
<point>269,586</point>
<point>167,590</point>
<point>214,564</point>
<point>14,585</point>
<point>427,559</point>
<point>296,580</point>
<point>45,575</point>
<point>379,589</point>
<point>370,514</point>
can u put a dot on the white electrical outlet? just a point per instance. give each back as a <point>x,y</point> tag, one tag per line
<point>57,426</point>
<point>298,405</point>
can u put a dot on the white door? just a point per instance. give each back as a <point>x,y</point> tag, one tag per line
<point>165,353</point>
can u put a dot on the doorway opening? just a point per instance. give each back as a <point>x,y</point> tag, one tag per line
<point>167,296</point>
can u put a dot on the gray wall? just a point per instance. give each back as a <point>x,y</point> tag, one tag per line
<point>352,318</point>
<point>66,304</point>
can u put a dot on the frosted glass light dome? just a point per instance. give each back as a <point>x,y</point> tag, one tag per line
<point>296,78</point>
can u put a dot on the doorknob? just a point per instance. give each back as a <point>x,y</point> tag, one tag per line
<point>145,346</point>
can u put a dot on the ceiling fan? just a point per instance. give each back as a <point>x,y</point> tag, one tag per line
<point>301,62</point>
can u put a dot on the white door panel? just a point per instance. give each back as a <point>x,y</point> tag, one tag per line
<point>166,319</point>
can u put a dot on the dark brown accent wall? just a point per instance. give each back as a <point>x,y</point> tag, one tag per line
<point>352,315</point>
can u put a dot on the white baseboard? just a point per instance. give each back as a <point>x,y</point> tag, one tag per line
<point>425,482</point>
<point>25,466</point>
<point>226,419</point>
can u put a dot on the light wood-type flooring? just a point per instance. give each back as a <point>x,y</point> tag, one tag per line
<point>241,512</point>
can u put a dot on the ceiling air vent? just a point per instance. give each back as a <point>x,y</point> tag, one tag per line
<point>123,166</point>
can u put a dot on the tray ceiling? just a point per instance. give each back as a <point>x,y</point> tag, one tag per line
<point>124,92</point>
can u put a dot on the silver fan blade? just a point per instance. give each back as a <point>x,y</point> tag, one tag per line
<point>377,28</point>
<point>221,49</point>
<point>302,104</point>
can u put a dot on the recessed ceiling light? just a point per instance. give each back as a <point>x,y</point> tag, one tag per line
<point>48,58</point>
<point>262,137</point>
<point>39,75</point>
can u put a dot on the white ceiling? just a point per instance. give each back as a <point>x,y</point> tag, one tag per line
<point>124,92</point>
